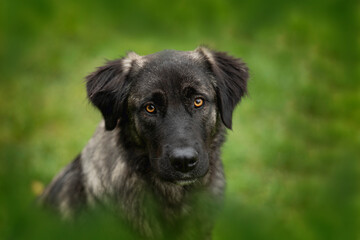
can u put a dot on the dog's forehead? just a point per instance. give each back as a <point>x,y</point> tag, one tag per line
<point>172,71</point>
<point>173,62</point>
<point>173,55</point>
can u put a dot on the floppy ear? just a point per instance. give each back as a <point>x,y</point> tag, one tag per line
<point>231,76</point>
<point>107,89</point>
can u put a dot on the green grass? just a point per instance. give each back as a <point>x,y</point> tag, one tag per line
<point>292,159</point>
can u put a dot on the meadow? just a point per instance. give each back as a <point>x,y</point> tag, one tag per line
<point>292,160</point>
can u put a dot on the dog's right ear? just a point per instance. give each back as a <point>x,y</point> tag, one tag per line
<point>231,76</point>
<point>108,86</point>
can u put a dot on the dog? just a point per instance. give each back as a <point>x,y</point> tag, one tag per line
<point>155,157</point>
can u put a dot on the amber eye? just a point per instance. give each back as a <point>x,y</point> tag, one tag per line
<point>150,108</point>
<point>198,102</point>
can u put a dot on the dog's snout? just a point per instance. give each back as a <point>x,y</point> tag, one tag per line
<point>184,159</point>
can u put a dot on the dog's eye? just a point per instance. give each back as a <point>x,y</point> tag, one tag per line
<point>150,108</point>
<point>198,102</point>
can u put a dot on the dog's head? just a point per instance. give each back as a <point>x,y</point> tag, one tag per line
<point>173,103</point>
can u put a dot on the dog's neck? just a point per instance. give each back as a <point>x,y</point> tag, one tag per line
<point>109,174</point>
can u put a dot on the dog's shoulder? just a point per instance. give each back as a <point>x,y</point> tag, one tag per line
<point>66,192</point>
<point>88,176</point>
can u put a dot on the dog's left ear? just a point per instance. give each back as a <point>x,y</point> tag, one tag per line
<point>231,76</point>
<point>108,86</point>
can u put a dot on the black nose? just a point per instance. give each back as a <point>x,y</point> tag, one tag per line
<point>184,159</point>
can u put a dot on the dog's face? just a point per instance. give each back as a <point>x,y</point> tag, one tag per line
<point>174,104</point>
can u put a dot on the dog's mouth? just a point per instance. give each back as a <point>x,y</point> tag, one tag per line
<point>166,172</point>
<point>185,182</point>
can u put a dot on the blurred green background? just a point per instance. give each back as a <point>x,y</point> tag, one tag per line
<point>292,159</point>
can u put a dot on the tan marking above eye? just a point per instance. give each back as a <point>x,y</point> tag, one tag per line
<point>198,102</point>
<point>150,108</point>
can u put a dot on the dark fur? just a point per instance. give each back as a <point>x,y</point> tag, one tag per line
<point>161,171</point>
